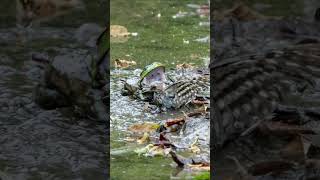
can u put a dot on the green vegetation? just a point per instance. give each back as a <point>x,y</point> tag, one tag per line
<point>159,38</point>
<point>202,176</point>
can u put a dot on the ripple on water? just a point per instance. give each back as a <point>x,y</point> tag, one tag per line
<point>44,144</point>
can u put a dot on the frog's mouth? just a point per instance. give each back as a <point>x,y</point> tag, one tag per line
<point>153,76</point>
<point>157,86</point>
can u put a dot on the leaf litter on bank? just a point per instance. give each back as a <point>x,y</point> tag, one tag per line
<point>120,34</point>
<point>122,63</point>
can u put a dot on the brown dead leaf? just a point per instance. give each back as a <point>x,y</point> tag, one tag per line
<point>178,121</point>
<point>194,148</point>
<point>145,138</point>
<point>184,66</point>
<point>118,31</point>
<point>129,139</point>
<point>118,34</point>
<point>195,56</point>
<point>159,151</point>
<point>199,167</point>
<point>121,63</point>
<point>144,127</point>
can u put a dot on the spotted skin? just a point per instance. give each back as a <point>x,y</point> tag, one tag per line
<point>181,93</point>
<point>250,88</point>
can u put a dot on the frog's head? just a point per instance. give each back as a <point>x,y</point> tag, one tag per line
<point>153,74</point>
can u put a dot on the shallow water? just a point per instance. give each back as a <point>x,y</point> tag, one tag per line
<point>126,112</point>
<point>38,143</point>
<point>162,38</point>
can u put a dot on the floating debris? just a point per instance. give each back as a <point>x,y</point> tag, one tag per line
<point>121,63</point>
<point>145,138</point>
<point>152,150</point>
<point>204,23</point>
<point>185,66</point>
<point>194,147</point>
<point>144,127</point>
<point>181,14</point>
<point>194,6</point>
<point>203,40</point>
<point>203,11</point>
<point>129,139</point>
<point>199,167</point>
<point>134,34</point>
<point>120,33</point>
<point>144,150</point>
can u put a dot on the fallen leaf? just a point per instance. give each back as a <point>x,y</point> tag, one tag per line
<point>120,34</point>
<point>144,127</point>
<point>144,149</point>
<point>118,31</point>
<point>194,56</point>
<point>156,151</point>
<point>194,146</point>
<point>199,167</point>
<point>180,14</point>
<point>145,138</point>
<point>121,63</point>
<point>176,121</point>
<point>184,66</point>
<point>129,139</point>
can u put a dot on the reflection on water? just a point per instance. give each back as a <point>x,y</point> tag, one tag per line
<point>38,143</point>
